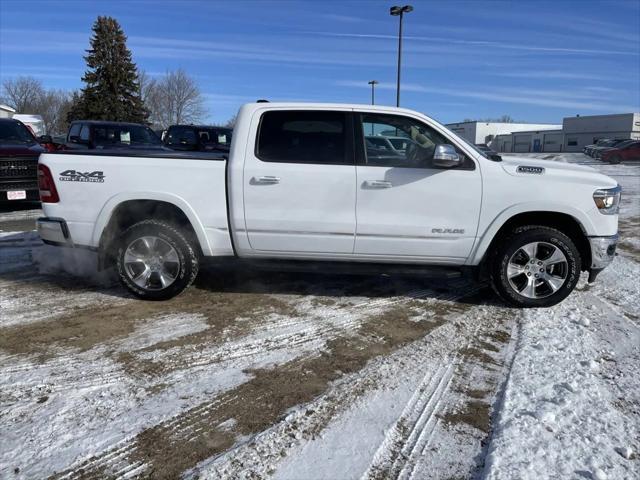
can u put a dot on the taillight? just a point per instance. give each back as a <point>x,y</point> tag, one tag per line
<point>48,192</point>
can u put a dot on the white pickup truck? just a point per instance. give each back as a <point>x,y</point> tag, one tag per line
<point>321,183</point>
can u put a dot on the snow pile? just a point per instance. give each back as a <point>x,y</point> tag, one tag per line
<point>568,407</point>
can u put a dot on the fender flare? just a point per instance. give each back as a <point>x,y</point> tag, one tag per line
<point>481,246</point>
<point>110,206</point>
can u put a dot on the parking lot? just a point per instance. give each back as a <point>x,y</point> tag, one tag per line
<point>253,374</point>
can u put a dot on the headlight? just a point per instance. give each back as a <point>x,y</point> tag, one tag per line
<point>608,200</point>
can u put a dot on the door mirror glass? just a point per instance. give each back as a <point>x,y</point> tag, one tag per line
<point>446,156</point>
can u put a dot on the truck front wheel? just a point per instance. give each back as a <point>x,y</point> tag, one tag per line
<point>155,260</point>
<point>535,266</point>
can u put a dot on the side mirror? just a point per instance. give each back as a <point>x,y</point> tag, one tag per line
<point>45,139</point>
<point>446,156</point>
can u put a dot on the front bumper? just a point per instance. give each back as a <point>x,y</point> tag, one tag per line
<point>54,231</point>
<point>603,251</point>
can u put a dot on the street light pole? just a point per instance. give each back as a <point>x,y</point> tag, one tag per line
<point>373,84</point>
<point>399,12</point>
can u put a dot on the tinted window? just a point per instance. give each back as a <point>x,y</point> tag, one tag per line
<point>182,136</point>
<point>108,136</point>
<point>394,141</point>
<point>15,132</point>
<point>84,132</point>
<point>303,137</point>
<point>74,131</point>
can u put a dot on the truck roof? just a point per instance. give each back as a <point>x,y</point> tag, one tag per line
<point>217,127</point>
<point>109,122</point>
<point>355,106</point>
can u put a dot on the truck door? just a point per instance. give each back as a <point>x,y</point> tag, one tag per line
<point>406,207</point>
<point>300,182</point>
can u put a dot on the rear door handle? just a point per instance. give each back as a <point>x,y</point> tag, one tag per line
<point>378,184</point>
<point>267,180</point>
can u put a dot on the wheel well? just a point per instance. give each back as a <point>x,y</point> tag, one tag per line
<point>130,212</point>
<point>560,221</point>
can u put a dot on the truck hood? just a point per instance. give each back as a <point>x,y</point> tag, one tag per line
<point>559,171</point>
<point>20,149</point>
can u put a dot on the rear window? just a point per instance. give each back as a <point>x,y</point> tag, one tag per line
<point>303,137</point>
<point>124,135</point>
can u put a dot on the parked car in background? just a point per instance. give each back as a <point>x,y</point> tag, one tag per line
<point>599,143</point>
<point>610,144</point>
<point>19,152</point>
<point>98,134</point>
<point>597,152</point>
<point>623,152</point>
<point>602,143</point>
<point>198,138</point>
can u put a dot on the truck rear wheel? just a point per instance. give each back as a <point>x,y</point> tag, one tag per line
<point>535,266</point>
<point>155,260</point>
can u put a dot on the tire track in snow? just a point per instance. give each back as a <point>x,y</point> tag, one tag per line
<point>404,444</point>
<point>185,425</point>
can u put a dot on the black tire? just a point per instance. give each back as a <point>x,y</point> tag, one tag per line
<point>184,273</point>
<point>615,159</point>
<point>515,241</point>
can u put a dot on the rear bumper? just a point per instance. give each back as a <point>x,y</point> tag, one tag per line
<point>54,231</point>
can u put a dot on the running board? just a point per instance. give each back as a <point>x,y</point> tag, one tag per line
<point>345,268</point>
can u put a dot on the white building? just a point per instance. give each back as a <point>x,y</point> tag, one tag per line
<point>581,131</point>
<point>35,122</point>
<point>6,111</point>
<point>485,132</point>
<point>529,141</point>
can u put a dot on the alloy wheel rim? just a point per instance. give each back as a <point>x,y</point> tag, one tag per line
<point>537,270</point>
<point>151,263</point>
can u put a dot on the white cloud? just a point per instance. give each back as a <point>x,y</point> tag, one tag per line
<point>544,98</point>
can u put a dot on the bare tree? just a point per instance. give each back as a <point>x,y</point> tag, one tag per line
<point>175,99</point>
<point>151,96</point>
<point>232,121</point>
<point>23,93</point>
<point>502,119</point>
<point>27,95</point>
<point>54,105</point>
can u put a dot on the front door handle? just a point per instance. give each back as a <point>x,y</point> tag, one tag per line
<point>378,184</point>
<point>267,180</point>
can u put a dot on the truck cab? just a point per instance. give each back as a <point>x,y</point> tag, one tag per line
<point>104,135</point>
<point>198,138</point>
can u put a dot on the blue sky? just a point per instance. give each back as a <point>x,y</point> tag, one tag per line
<point>536,61</point>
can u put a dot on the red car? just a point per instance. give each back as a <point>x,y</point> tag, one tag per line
<point>625,152</point>
<point>19,152</point>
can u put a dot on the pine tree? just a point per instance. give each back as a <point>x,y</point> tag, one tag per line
<point>112,90</point>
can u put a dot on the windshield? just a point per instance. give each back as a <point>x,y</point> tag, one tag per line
<point>124,136</point>
<point>15,132</point>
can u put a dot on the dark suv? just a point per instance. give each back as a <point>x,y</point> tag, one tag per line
<point>97,134</point>
<point>198,138</point>
<point>19,152</point>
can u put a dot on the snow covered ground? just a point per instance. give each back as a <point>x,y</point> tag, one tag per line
<point>290,376</point>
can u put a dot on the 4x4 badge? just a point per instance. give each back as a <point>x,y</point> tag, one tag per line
<point>75,176</point>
